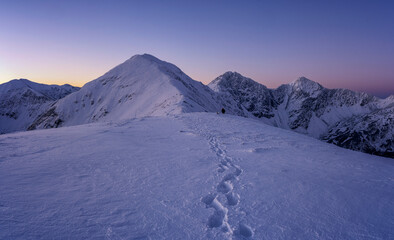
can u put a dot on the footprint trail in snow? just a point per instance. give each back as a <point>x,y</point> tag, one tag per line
<point>223,199</point>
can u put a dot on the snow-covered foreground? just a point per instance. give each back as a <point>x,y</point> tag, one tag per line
<point>191,176</point>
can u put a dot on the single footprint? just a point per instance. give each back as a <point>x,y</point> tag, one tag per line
<point>232,198</point>
<point>222,168</point>
<point>245,230</point>
<point>216,219</point>
<point>219,217</point>
<point>238,170</point>
<point>224,163</point>
<point>208,199</point>
<point>225,187</point>
<point>230,177</point>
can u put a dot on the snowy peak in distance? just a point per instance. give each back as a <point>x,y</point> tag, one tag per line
<point>138,64</point>
<point>307,107</point>
<point>251,96</point>
<point>233,79</point>
<point>22,101</point>
<point>52,92</point>
<point>141,86</point>
<point>306,85</point>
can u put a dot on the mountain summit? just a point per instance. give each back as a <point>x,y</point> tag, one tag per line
<point>306,85</point>
<point>141,86</point>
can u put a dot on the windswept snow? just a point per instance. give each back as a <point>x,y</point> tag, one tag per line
<point>190,176</point>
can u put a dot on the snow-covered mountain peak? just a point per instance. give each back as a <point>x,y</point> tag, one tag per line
<point>306,85</point>
<point>141,86</point>
<point>147,57</point>
<point>21,101</point>
<point>51,92</point>
<point>387,102</point>
<point>17,84</point>
<point>141,67</point>
<point>252,96</point>
<point>235,81</point>
<point>390,98</point>
<point>231,75</point>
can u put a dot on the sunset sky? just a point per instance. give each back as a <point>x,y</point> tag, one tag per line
<point>340,44</point>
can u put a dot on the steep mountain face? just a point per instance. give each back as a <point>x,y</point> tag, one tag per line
<point>21,101</point>
<point>141,86</point>
<point>313,109</point>
<point>249,95</point>
<point>307,107</point>
<point>371,133</point>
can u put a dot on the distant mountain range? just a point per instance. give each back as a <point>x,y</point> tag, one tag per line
<point>147,86</point>
<point>22,101</point>
<point>349,119</point>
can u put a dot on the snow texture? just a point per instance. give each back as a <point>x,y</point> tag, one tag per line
<point>189,176</point>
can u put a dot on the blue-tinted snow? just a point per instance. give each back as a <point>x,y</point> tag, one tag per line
<point>192,176</point>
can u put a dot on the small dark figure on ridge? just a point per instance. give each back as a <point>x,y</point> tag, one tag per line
<point>223,111</point>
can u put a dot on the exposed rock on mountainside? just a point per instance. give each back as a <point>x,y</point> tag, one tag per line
<point>371,133</point>
<point>21,101</point>
<point>307,107</point>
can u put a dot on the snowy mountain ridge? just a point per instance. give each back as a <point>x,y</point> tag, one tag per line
<point>307,107</point>
<point>22,101</point>
<point>147,86</point>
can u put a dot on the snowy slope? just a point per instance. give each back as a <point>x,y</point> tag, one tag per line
<point>371,133</point>
<point>141,86</point>
<point>190,176</point>
<point>21,101</point>
<point>303,105</point>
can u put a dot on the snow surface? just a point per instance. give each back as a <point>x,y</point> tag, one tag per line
<point>190,176</point>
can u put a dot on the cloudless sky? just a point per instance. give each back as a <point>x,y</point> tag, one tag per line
<point>340,44</point>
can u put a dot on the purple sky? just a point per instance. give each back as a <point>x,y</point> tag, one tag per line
<point>340,44</point>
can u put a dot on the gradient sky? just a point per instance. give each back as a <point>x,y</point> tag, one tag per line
<point>340,44</point>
